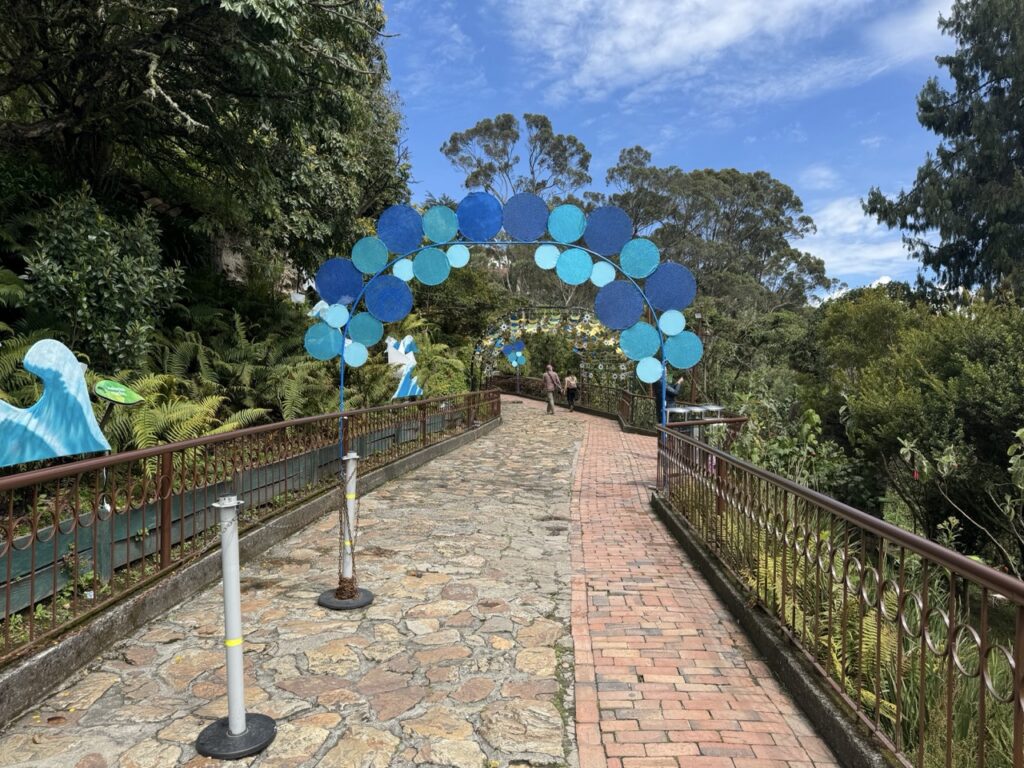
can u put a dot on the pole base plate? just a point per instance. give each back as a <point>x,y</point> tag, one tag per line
<point>329,600</point>
<point>216,741</point>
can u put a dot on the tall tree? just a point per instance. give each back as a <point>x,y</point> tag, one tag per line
<point>964,215</point>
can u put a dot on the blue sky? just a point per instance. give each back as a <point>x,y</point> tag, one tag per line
<point>819,93</point>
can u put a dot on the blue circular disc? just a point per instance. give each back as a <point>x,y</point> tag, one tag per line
<point>639,257</point>
<point>546,256</point>
<point>574,266</point>
<point>639,341</point>
<point>525,217</point>
<point>649,370</point>
<point>388,298</point>
<point>672,322</point>
<point>440,224</point>
<point>671,286</point>
<point>603,274</point>
<point>338,281</point>
<point>355,354</point>
<point>401,228</point>
<point>370,255</point>
<point>608,229</point>
<point>684,351</point>
<point>566,223</point>
<point>323,342</point>
<point>619,305</point>
<point>479,216</point>
<point>365,328</point>
<point>336,316</point>
<point>458,256</point>
<point>431,266</point>
<point>403,270</point>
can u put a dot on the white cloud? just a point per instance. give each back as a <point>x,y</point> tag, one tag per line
<point>855,247</point>
<point>732,52</point>
<point>872,142</point>
<point>818,177</point>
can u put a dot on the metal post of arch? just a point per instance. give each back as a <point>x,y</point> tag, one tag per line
<point>599,248</point>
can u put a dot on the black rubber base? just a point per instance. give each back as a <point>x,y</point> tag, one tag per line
<point>362,599</point>
<point>215,741</point>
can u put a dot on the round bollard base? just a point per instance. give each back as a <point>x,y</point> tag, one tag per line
<point>329,600</point>
<point>215,740</point>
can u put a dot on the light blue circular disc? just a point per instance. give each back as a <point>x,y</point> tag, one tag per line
<point>672,322</point>
<point>366,329</point>
<point>639,257</point>
<point>574,266</point>
<point>684,351</point>
<point>323,342</point>
<point>403,270</point>
<point>566,223</point>
<point>355,354</point>
<point>639,341</point>
<point>458,256</point>
<point>603,274</point>
<point>546,256</point>
<point>649,370</point>
<point>440,224</point>
<point>336,316</point>
<point>431,266</point>
<point>370,255</point>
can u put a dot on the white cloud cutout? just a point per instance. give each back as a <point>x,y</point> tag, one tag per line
<point>729,53</point>
<point>818,177</point>
<point>854,247</point>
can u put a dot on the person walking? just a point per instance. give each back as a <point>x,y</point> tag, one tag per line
<point>571,390</point>
<point>552,384</point>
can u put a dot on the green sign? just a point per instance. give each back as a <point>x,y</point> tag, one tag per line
<point>116,392</point>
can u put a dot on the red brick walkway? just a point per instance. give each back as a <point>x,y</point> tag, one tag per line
<point>664,676</point>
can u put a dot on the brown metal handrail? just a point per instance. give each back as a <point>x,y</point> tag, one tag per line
<point>925,645</point>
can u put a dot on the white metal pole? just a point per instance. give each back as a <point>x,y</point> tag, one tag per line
<point>349,519</point>
<point>228,508</point>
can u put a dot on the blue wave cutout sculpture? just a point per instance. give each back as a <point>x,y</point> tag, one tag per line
<point>62,422</point>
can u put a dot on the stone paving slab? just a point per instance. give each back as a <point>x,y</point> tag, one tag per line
<point>464,659</point>
<point>664,676</point>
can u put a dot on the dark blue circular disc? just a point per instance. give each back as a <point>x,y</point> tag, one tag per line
<point>388,298</point>
<point>619,305</point>
<point>479,216</point>
<point>401,228</point>
<point>608,229</point>
<point>525,217</point>
<point>671,286</point>
<point>338,281</point>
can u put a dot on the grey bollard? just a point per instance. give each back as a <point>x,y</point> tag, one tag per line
<point>239,734</point>
<point>349,525</point>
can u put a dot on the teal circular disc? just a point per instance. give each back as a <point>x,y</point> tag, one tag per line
<point>649,370</point>
<point>672,322</point>
<point>639,257</point>
<point>440,224</point>
<point>546,256</point>
<point>323,342</point>
<point>431,266</point>
<point>370,255</point>
<point>603,274</point>
<point>403,270</point>
<point>458,256</point>
<point>574,266</point>
<point>336,316</point>
<point>684,350</point>
<point>566,223</point>
<point>366,329</point>
<point>355,354</point>
<point>639,341</point>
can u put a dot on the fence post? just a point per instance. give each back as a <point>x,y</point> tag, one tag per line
<point>1018,691</point>
<point>423,424</point>
<point>166,489</point>
<point>237,735</point>
<point>348,596</point>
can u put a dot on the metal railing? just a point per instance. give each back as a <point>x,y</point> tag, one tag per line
<point>77,537</point>
<point>634,410</point>
<point>925,646</point>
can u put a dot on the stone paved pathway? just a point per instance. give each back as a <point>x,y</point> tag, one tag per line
<point>664,675</point>
<point>464,659</point>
